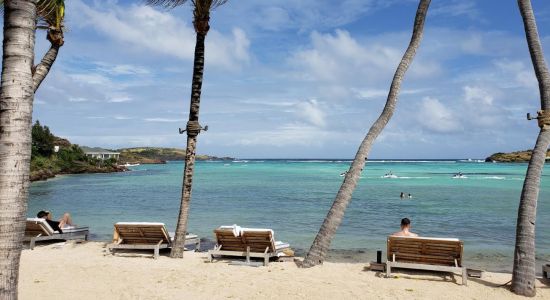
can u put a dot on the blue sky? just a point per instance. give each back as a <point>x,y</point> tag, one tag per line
<point>296,79</point>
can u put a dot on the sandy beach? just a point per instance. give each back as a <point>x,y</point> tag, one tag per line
<point>87,271</point>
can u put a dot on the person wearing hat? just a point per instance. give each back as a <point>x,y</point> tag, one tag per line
<point>65,222</point>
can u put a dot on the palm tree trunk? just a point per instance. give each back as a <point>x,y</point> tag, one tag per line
<point>523,275</point>
<point>16,99</point>
<point>321,244</point>
<point>193,129</point>
<point>43,68</point>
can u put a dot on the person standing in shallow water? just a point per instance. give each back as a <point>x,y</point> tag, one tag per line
<point>402,195</point>
<point>405,228</point>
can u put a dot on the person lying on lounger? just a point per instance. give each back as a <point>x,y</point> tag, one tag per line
<point>405,228</point>
<point>64,223</point>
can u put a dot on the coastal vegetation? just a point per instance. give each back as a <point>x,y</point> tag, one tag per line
<point>68,159</point>
<point>512,157</point>
<point>523,274</point>
<point>321,244</point>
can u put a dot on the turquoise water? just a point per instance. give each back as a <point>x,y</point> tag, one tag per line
<point>293,197</point>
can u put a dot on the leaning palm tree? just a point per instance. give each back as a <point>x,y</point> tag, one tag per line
<point>321,244</point>
<point>16,97</point>
<point>50,14</point>
<point>523,275</point>
<point>201,18</point>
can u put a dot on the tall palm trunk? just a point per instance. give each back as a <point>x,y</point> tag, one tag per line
<point>523,276</point>
<point>321,244</point>
<point>16,99</point>
<point>40,71</point>
<point>193,129</point>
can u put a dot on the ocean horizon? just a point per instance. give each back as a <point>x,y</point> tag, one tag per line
<point>293,195</point>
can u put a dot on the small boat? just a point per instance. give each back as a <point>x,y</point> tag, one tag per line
<point>459,176</point>
<point>130,165</point>
<point>389,175</point>
<point>343,174</point>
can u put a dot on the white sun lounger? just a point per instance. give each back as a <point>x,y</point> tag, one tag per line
<point>250,242</point>
<point>144,236</point>
<point>37,229</point>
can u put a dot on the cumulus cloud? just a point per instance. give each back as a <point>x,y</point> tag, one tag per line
<point>332,57</point>
<point>434,116</point>
<point>311,112</point>
<point>161,33</point>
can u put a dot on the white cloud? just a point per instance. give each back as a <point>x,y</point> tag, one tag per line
<point>455,8</point>
<point>477,96</point>
<point>311,112</point>
<point>119,99</point>
<point>124,69</point>
<point>77,99</point>
<point>163,120</point>
<point>90,78</point>
<point>434,116</point>
<point>332,56</point>
<point>121,117</point>
<point>287,135</point>
<point>161,33</point>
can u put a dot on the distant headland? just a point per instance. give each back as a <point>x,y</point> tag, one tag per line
<point>513,157</point>
<point>52,155</point>
<point>158,155</point>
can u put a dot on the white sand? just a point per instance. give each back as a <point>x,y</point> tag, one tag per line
<point>87,271</point>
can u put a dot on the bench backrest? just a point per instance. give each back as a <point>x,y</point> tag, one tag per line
<point>257,239</point>
<point>424,250</point>
<point>228,241</point>
<point>38,226</point>
<point>141,233</point>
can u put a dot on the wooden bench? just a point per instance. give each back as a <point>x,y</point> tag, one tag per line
<point>37,229</point>
<point>424,253</point>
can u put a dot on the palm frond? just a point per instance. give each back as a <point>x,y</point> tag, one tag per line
<point>202,8</point>
<point>50,13</point>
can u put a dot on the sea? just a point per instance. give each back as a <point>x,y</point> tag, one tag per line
<point>292,196</point>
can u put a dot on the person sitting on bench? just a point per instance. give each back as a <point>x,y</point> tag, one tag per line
<point>405,228</point>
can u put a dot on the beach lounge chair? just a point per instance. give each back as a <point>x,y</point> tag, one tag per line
<point>37,229</point>
<point>246,242</point>
<point>546,270</point>
<point>424,253</point>
<point>144,236</point>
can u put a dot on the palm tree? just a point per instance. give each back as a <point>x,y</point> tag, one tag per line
<point>201,18</point>
<point>51,14</point>
<point>523,275</point>
<point>321,244</point>
<point>16,99</point>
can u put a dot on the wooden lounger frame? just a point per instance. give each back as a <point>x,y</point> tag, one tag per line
<point>36,231</point>
<point>433,254</point>
<point>153,236</point>
<point>251,243</point>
